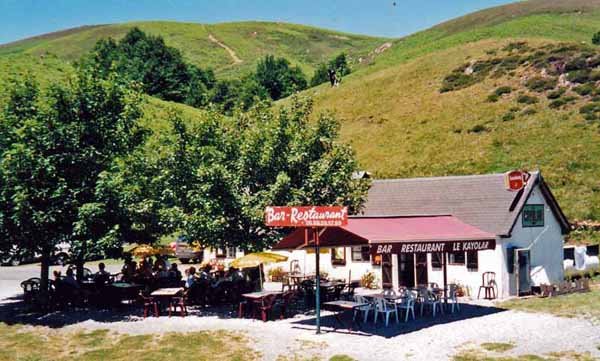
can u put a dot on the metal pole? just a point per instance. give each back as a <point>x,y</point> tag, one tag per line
<point>318,281</point>
<point>444,262</point>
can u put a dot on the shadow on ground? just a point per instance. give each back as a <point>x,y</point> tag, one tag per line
<point>329,323</point>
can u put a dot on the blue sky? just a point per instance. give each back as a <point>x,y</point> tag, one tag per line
<point>23,18</point>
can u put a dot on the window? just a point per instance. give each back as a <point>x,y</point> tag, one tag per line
<point>473,261</point>
<point>338,256</point>
<point>456,258</point>
<point>227,252</point>
<point>436,261</point>
<point>533,215</point>
<point>360,254</point>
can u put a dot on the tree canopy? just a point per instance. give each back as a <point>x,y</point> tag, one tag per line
<point>56,146</point>
<point>339,64</point>
<point>220,174</point>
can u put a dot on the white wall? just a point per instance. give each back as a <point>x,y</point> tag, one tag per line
<point>307,264</point>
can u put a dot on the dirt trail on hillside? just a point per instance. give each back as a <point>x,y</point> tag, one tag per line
<point>232,54</point>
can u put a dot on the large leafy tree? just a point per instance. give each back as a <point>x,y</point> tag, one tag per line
<point>56,149</point>
<point>279,78</point>
<point>339,64</point>
<point>221,173</point>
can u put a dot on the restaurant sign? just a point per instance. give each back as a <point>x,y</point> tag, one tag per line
<point>432,247</point>
<point>306,216</point>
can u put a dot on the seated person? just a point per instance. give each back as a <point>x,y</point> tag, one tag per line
<point>190,277</point>
<point>174,272</point>
<point>101,277</point>
<point>161,272</point>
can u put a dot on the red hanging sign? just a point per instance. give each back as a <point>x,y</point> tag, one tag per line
<point>306,216</point>
<point>515,180</point>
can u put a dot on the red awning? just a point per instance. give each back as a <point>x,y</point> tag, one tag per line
<point>395,231</point>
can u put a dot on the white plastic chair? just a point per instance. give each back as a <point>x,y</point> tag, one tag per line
<point>388,292</point>
<point>428,298</point>
<point>386,307</point>
<point>364,309</point>
<point>452,299</point>
<point>408,305</point>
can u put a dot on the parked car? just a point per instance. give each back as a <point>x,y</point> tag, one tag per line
<point>187,253</point>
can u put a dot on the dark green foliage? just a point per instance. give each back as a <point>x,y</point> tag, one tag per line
<point>519,46</point>
<point>160,69</point>
<point>528,111</point>
<point>508,116</point>
<point>479,128</point>
<point>584,89</point>
<point>579,76</point>
<point>596,38</point>
<point>457,81</point>
<point>500,91</point>
<point>279,78</point>
<point>339,64</point>
<point>577,63</point>
<point>57,149</point>
<point>560,102</point>
<point>591,111</point>
<point>527,99</point>
<point>556,93</point>
<point>540,84</point>
<point>492,98</point>
<point>218,176</point>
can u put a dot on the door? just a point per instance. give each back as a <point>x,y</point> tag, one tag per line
<point>406,270</point>
<point>421,268</point>
<point>386,271</point>
<point>523,267</point>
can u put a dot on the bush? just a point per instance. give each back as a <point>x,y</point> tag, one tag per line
<point>479,128</point>
<point>584,89</point>
<point>596,38</point>
<point>492,98</point>
<point>556,93</point>
<point>528,111</point>
<point>578,63</point>
<point>539,84</point>
<point>527,99</point>
<point>368,280</point>
<point>590,111</point>
<point>457,81</point>
<point>508,117</point>
<point>558,103</point>
<point>500,91</point>
<point>579,76</point>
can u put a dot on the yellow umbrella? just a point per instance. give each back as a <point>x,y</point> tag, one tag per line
<point>144,250</point>
<point>257,260</point>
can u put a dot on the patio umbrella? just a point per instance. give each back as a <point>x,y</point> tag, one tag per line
<point>257,260</point>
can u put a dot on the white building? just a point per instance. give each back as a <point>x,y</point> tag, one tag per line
<point>528,228</point>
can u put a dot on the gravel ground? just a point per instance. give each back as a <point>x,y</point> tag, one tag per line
<point>423,339</point>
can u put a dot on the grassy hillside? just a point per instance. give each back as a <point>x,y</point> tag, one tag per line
<point>212,45</point>
<point>402,126</point>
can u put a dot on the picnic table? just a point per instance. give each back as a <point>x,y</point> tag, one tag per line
<point>339,307</point>
<point>164,296</point>
<point>256,300</point>
<point>124,291</point>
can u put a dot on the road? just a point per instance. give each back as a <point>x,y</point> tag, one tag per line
<point>11,277</point>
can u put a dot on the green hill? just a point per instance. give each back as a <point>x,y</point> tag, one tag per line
<point>402,126</point>
<point>228,48</point>
<point>391,107</point>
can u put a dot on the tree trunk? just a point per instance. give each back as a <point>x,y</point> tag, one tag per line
<point>45,280</point>
<point>79,272</point>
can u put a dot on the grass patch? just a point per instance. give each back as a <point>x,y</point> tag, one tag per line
<point>574,305</point>
<point>480,355</point>
<point>527,99</point>
<point>341,358</point>
<point>497,346</point>
<point>20,343</point>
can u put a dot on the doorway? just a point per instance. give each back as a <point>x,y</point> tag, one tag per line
<point>406,269</point>
<point>421,268</point>
<point>523,267</point>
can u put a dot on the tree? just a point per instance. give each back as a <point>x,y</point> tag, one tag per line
<point>279,78</point>
<point>596,39</point>
<point>57,146</point>
<point>220,174</point>
<point>339,64</point>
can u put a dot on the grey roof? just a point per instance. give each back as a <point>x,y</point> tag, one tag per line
<point>479,200</point>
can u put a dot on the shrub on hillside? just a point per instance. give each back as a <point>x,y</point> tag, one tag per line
<point>492,98</point>
<point>540,84</point>
<point>528,111</point>
<point>479,128</point>
<point>590,111</point>
<point>457,81</point>
<point>556,93</point>
<point>508,116</point>
<point>500,91</point>
<point>527,99</point>
<point>579,76</point>
<point>596,38</point>
<point>584,89</point>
